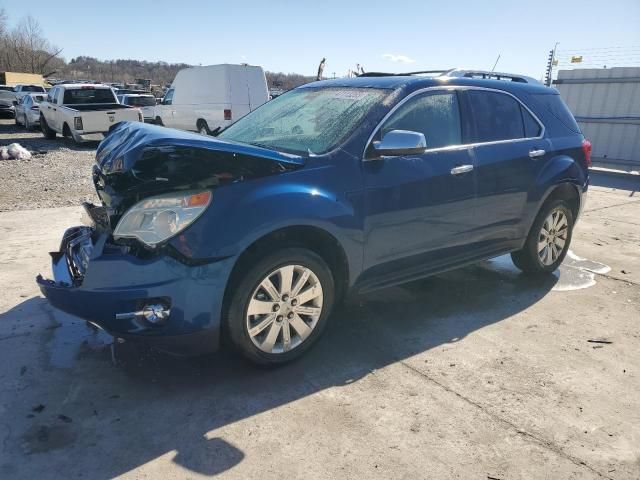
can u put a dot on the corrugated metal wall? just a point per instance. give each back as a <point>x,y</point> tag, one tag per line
<point>606,104</point>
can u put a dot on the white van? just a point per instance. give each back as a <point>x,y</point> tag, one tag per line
<point>205,98</point>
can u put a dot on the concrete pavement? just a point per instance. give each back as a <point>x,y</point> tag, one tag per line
<point>474,374</point>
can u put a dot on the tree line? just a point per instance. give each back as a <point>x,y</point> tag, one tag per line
<point>24,48</point>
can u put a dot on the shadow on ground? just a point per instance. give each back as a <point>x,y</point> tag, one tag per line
<point>148,404</point>
<point>619,182</point>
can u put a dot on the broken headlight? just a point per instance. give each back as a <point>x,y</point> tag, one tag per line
<point>156,219</point>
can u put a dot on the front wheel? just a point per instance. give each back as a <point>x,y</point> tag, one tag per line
<point>280,307</point>
<point>548,240</point>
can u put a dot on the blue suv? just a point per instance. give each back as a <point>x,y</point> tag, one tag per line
<point>345,185</point>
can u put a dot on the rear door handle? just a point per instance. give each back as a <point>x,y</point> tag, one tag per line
<point>461,169</point>
<point>536,153</point>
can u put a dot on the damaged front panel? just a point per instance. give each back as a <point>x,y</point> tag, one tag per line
<point>138,160</point>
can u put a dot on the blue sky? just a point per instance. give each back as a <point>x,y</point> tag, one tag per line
<point>293,36</point>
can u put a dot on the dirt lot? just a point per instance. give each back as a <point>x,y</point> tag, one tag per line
<point>59,173</point>
<point>481,373</point>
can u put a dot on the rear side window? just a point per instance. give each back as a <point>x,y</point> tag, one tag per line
<point>496,116</point>
<point>553,102</point>
<point>437,116</point>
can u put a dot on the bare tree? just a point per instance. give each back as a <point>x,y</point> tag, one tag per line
<point>24,48</point>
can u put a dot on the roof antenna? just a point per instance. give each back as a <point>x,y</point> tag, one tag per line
<point>494,65</point>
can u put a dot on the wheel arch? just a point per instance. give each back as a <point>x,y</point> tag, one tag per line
<point>314,238</point>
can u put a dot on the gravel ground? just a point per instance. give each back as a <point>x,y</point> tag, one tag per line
<point>60,176</point>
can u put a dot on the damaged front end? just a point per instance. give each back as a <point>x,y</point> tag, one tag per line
<point>119,271</point>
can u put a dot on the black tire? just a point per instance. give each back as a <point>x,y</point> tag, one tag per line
<point>528,259</point>
<point>202,127</point>
<point>235,324</point>
<point>46,131</point>
<point>158,121</point>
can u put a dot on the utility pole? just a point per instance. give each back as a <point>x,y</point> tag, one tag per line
<point>552,57</point>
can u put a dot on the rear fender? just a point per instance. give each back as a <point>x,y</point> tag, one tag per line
<point>561,169</point>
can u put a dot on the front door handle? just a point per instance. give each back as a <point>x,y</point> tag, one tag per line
<point>461,169</point>
<point>536,153</point>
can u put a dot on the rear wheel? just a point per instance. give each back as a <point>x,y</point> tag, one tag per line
<point>158,121</point>
<point>280,307</point>
<point>46,131</point>
<point>548,240</point>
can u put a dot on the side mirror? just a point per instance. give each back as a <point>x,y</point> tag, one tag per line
<point>399,143</point>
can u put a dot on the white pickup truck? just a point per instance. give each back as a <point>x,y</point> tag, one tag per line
<point>84,112</point>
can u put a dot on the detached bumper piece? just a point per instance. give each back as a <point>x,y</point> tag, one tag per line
<point>159,300</point>
<point>70,263</point>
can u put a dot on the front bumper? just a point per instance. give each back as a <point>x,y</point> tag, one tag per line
<point>100,282</point>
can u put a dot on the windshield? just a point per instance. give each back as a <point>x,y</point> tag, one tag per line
<point>88,95</point>
<point>32,88</point>
<point>141,101</point>
<point>306,120</point>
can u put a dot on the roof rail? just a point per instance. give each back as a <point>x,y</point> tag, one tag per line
<point>460,73</point>
<point>513,77</point>
<point>386,74</point>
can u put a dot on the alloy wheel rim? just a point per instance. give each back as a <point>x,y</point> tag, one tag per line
<point>553,237</point>
<point>284,309</point>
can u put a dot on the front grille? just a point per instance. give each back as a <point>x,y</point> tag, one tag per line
<point>77,246</point>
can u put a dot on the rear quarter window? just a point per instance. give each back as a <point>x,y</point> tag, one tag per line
<point>556,106</point>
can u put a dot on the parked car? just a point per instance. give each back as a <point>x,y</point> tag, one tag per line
<point>205,99</point>
<point>28,110</point>
<point>338,186</point>
<point>83,111</point>
<point>22,90</point>
<point>7,103</point>
<point>145,102</point>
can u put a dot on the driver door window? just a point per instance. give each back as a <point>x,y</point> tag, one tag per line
<point>435,115</point>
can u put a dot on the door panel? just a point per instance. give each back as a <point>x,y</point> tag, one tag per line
<point>505,171</point>
<point>416,209</point>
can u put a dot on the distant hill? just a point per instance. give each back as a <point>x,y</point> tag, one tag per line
<point>160,73</point>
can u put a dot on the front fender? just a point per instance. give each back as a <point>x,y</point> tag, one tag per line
<point>241,213</point>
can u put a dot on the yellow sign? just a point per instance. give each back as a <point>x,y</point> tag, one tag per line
<point>576,59</point>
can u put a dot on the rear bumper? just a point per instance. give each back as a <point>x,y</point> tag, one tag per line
<point>88,137</point>
<point>116,283</point>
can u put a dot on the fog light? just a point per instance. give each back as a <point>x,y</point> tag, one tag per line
<point>155,313</point>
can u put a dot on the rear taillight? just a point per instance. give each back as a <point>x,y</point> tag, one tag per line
<point>77,123</point>
<point>227,114</point>
<point>586,148</point>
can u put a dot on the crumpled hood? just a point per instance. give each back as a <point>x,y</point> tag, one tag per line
<point>137,160</point>
<point>127,139</point>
